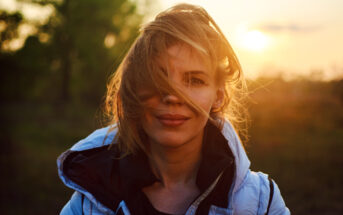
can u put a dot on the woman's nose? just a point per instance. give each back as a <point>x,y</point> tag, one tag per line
<point>171,99</point>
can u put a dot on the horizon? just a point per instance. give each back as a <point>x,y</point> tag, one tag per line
<point>277,38</point>
<point>271,39</point>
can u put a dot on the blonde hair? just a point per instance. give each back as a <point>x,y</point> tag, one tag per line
<point>182,24</point>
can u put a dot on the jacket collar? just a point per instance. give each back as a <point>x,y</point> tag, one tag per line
<point>242,161</point>
<point>216,157</point>
<point>103,137</point>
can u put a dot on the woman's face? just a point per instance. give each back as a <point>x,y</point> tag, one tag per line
<point>167,119</point>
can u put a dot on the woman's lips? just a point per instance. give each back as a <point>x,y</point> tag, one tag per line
<point>172,120</point>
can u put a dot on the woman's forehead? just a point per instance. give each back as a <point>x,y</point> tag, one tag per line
<point>182,57</point>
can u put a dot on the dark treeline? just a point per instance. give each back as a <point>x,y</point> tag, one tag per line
<point>51,94</point>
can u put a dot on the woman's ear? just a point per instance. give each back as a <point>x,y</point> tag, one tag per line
<point>219,100</point>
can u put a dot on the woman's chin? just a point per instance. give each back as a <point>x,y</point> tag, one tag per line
<point>169,142</point>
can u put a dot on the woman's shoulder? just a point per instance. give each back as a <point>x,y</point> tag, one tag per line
<point>256,192</point>
<point>98,138</point>
<point>83,168</point>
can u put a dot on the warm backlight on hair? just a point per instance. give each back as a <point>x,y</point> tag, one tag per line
<point>254,40</point>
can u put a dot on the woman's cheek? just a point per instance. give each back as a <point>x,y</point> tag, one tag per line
<point>204,98</point>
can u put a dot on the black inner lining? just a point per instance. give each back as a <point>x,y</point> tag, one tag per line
<point>110,180</point>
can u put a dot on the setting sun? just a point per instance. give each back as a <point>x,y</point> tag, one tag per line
<point>254,40</point>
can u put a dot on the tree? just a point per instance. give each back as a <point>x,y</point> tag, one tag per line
<point>9,23</point>
<point>80,31</point>
<point>87,40</point>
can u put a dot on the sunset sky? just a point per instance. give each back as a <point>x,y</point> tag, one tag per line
<point>294,37</point>
<point>271,37</point>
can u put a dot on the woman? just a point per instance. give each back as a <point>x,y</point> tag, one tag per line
<point>171,146</point>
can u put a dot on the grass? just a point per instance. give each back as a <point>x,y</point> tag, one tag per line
<point>296,137</point>
<point>34,137</point>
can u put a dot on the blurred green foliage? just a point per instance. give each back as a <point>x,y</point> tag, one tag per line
<point>71,56</point>
<point>9,30</point>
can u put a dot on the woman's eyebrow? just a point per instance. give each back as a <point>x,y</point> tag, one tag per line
<point>197,72</point>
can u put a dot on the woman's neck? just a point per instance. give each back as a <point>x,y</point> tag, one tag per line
<point>177,165</point>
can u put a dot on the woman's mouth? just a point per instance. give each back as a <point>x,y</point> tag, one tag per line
<point>172,120</point>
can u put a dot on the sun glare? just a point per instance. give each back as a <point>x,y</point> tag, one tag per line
<point>254,40</point>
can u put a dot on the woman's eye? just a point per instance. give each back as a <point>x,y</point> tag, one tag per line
<point>192,80</point>
<point>196,81</point>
